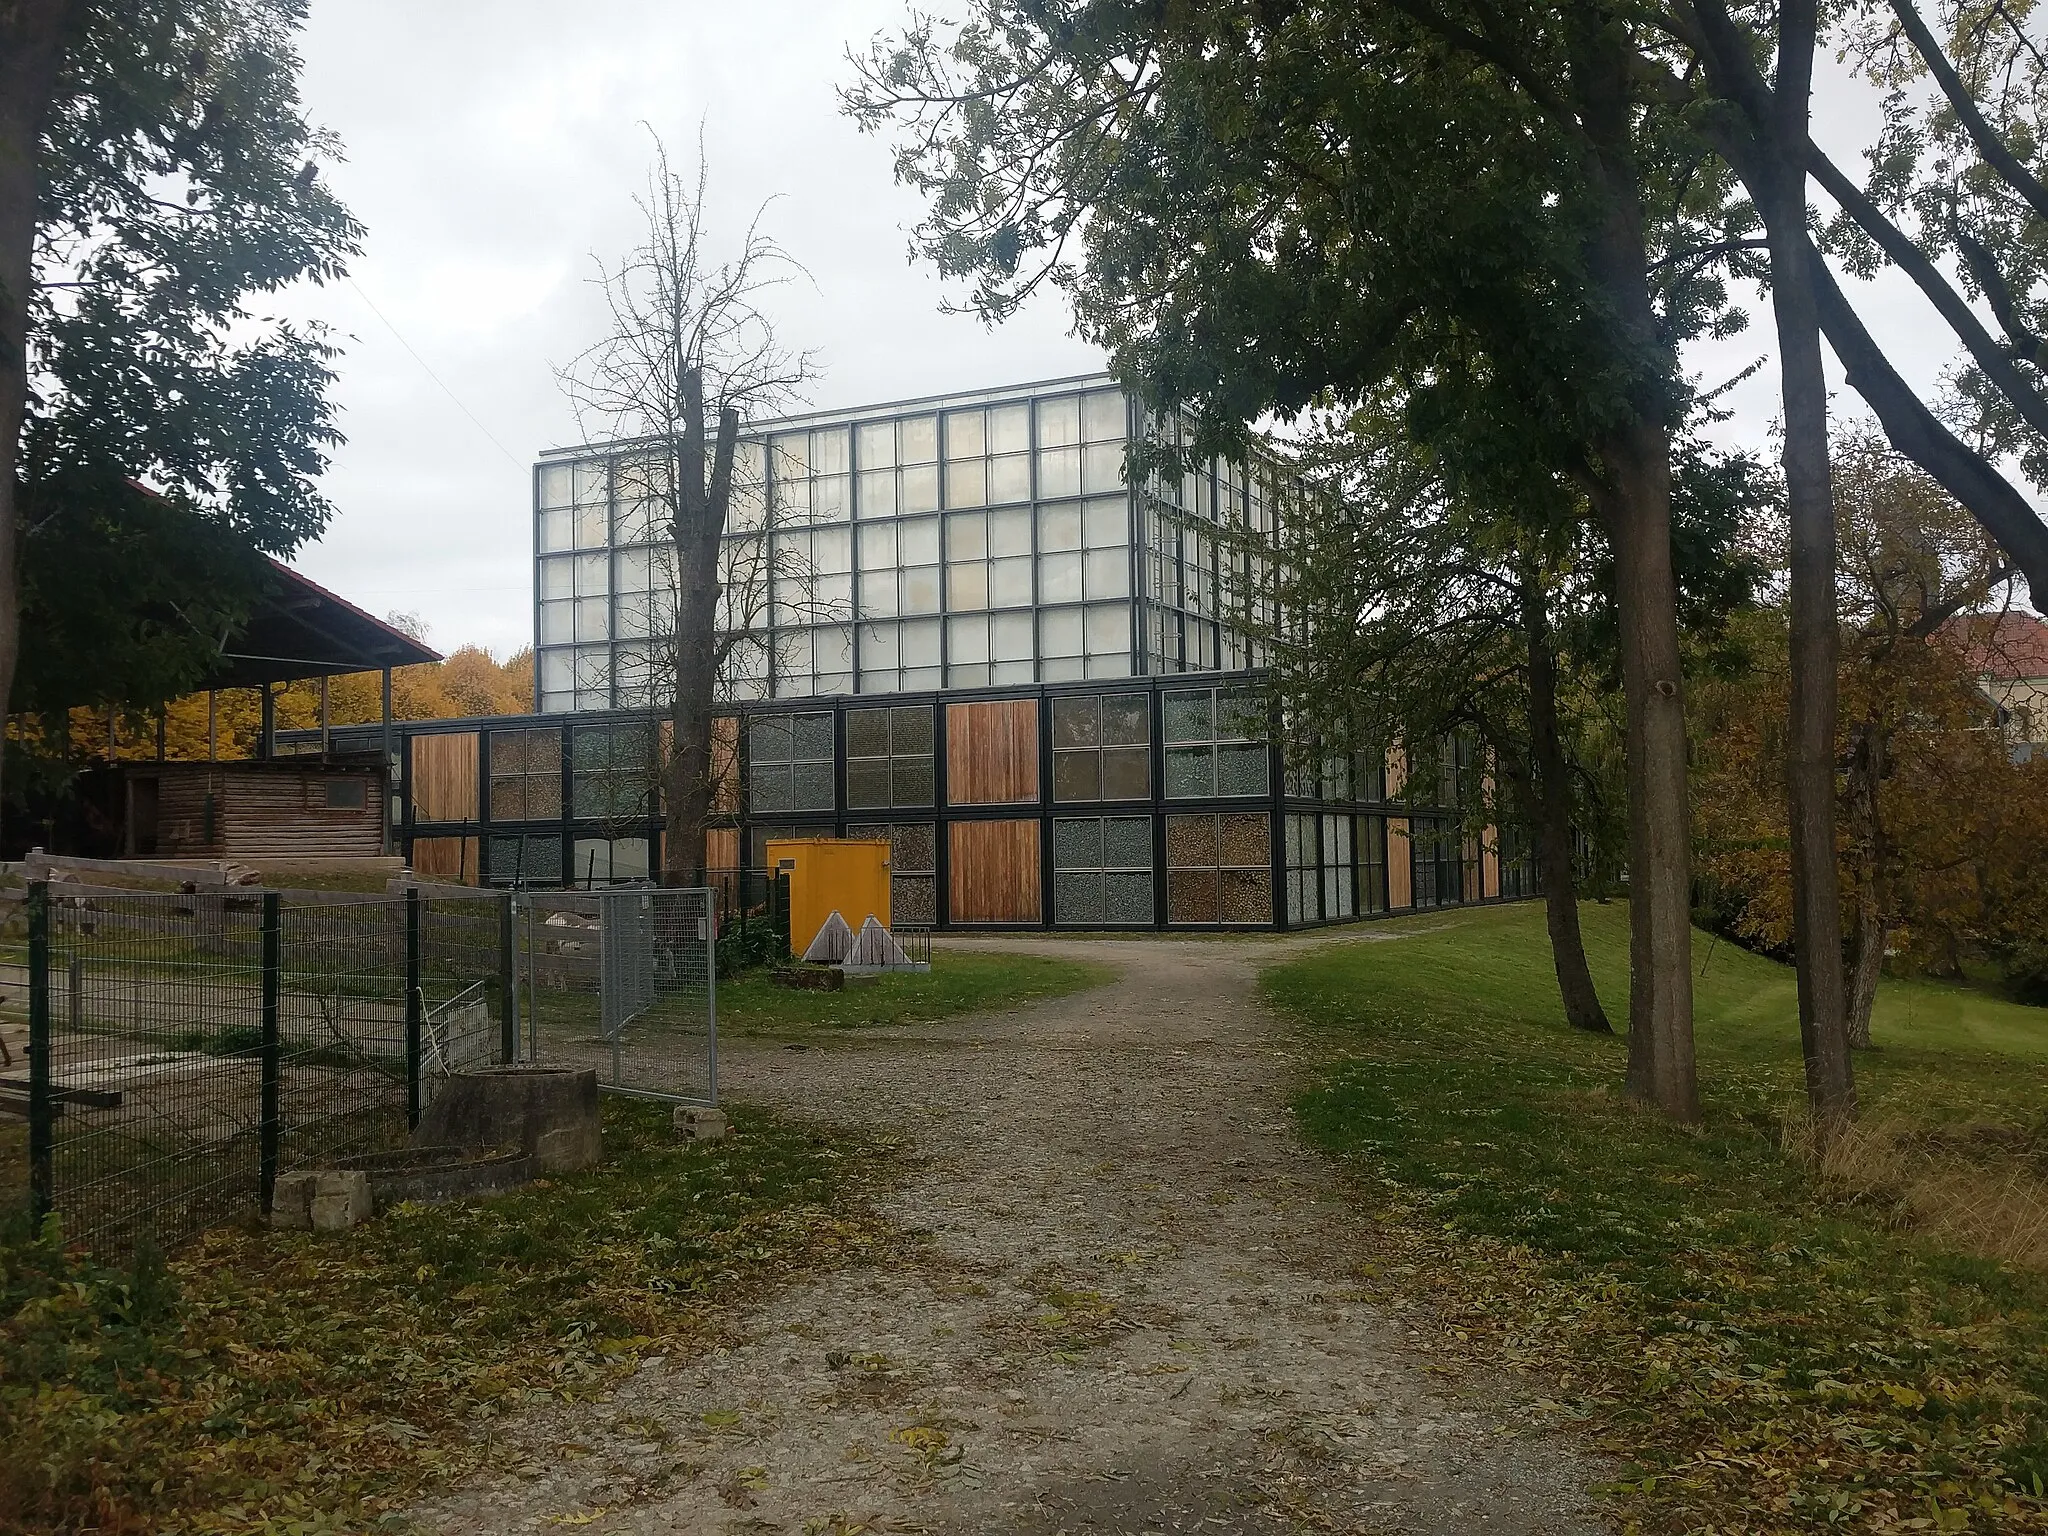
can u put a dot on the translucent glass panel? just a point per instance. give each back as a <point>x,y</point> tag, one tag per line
<point>1303,900</point>
<point>534,860</point>
<point>988,648</point>
<point>913,862</point>
<point>988,560</point>
<point>889,757</point>
<point>1219,869</point>
<point>899,569</point>
<point>600,861</point>
<point>809,476</point>
<point>899,466</point>
<point>748,510</point>
<point>1101,747</point>
<point>1215,743</point>
<point>573,506</point>
<point>789,763</point>
<point>988,455</point>
<point>577,677</point>
<point>612,771</point>
<point>1100,633</point>
<point>899,657</point>
<point>814,662</point>
<point>1102,869</point>
<point>813,575</point>
<point>526,775</point>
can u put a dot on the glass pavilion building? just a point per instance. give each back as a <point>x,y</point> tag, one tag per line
<point>956,626</point>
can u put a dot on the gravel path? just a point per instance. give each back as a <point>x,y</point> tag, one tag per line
<point>1133,1304</point>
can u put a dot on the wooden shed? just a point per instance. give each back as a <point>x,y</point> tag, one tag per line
<point>281,808</point>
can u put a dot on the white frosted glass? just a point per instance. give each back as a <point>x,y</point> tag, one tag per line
<point>918,490</point>
<point>832,596</point>
<point>1059,578</point>
<point>557,529</point>
<point>1059,472</point>
<point>878,594</point>
<point>879,645</point>
<point>557,578</point>
<point>1009,428</point>
<point>967,639</point>
<point>640,522</point>
<point>1061,669</point>
<point>591,530</point>
<point>1109,627</point>
<point>921,643</point>
<point>966,536</point>
<point>1011,672</point>
<point>1009,532</point>
<point>593,575</point>
<point>920,589</point>
<point>973,674</point>
<point>792,455</point>
<point>1108,573</point>
<point>1009,582</point>
<point>630,571</point>
<point>1059,421</point>
<point>593,483</point>
<point>877,444</point>
<point>1102,467</point>
<point>1009,479</point>
<point>1010,637</point>
<point>920,679</point>
<point>1118,665</point>
<point>878,547</point>
<point>1102,415</point>
<point>1107,522</point>
<point>556,703</point>
<point>832,550</point>
<point>557,671</point>
<point>917,541</point>
<point>828,499</point>
<point>557,486</point>
<point>877,493</point>
<point>1059,632</point>
<point>1059,527</point>
<point>593,618</point>
<point>967,585</point>
<point>632,615</point>
<point>557,623</point>
<point>593,667</point>
<point>828,451</point>
<point>792,500</point>
<point>832,647</point>
<point>917,440</point>
<point>748,512</point>
<point>966,435</point>
<point>967,483</point>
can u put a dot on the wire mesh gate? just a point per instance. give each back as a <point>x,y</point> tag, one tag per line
<point>625,981</point>
<point>187,1048</point>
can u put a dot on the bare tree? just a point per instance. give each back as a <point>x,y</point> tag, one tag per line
<point>689,352</point>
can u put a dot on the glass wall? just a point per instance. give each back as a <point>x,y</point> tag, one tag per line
<point>917,547</point>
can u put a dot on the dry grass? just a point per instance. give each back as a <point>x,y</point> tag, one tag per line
<point>1982,1189</point>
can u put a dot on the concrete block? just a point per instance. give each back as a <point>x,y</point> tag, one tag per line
<point>340,1200</point>
<point>695,1123</point>
<point>550,1112</point>
<point>291,1201</point>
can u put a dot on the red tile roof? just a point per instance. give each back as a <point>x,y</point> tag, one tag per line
<point>2002,645</point>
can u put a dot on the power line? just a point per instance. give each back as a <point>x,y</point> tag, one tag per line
<point>431,374</point>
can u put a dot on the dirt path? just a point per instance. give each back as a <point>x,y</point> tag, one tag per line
<point>1134,1307</point>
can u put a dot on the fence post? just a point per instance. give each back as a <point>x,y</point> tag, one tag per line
<point>415,1009</point>
<point>712,912</point>
<point>41,1101</point>
<point>508,979</point>
<point>273,1053</point>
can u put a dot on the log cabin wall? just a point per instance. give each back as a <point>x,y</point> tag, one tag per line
<point>264,811</point>
<point>994,872</point>
<point>992,752</point>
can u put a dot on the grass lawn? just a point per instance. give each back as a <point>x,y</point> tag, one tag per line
<point>1761,1349</point>
<point>310,1382</point>
<point>959,982</point>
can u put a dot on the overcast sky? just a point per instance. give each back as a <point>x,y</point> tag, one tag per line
<point>493,145</point>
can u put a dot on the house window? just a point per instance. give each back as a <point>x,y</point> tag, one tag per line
<point>347,795</point>
<point>612,772</point>
<point>1101,748</point>
<point>1219,869</point>
<point>526,776</point>
<point>889,757</point>
<point>1215,743</point>
<point>1102,869</point>
<point>790,763</point>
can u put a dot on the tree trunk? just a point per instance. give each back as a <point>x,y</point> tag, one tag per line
<point>1866,842</point>
<point>32,38</point>
<point>1552,798</point>
<point>1780,191</point>
<point>700,507</point>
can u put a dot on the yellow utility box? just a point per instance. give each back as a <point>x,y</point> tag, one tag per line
<point>831,874</point>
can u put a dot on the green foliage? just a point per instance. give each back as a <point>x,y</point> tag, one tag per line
<point>1759,1355</point>
<point>271,1378</point>
<point>179,189</point>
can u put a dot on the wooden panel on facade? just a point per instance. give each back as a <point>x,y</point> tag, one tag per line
<point>725,765</point>
<point>992,753</point>
<point>444,786</point>
<point>1489,862</point>
<point>722,848</point>
<point>446,858</point>
<point>1397,772</point>
<point>993,871</point>
<point>1400,865</point>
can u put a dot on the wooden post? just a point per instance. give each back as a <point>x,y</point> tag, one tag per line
<point>163,712</point>
<point>213,725</point>
<point>325,740</point>
<point>267,744</point>
<point>390,775</point>
<point>113,747</point>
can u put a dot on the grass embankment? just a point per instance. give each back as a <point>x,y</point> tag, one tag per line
<point>959,982</point>
<point>308,1382</point>
<point>1763,1345</point>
